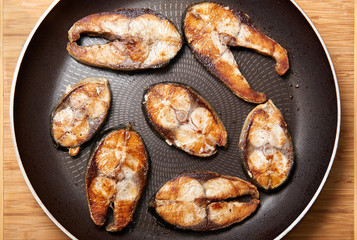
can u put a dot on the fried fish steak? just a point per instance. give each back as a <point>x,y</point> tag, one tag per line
<point>204,201</point>
<point>80,113</point>
<point>211,28</point>
<point>184,119</point>
<point>266,146</point>
<point>116,176</point>
<point>138,39</point>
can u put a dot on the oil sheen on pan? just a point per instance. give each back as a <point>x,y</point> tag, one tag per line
<point>211,28</point>
<point>184,119</point>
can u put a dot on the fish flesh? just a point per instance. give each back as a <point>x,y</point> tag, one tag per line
<point>204,201</point>
<point>116,176</point>
<point>138,39</point>
<point>80,113</point>
<point>211,28</point>
<point>184,119</point>
<point>266,146</point>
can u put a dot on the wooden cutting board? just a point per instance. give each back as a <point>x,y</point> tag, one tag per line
<point>331,217</point>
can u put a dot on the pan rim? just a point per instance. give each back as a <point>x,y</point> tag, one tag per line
<point>12,97</point>
<point>333,155</point>
<point>59,225</point>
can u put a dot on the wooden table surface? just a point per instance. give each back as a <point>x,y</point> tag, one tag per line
<point>331,216</point>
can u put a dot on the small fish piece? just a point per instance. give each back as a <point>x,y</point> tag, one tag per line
<point>80,113</point>
<point>116,176</point>
<point>204,201</point>
<point>210,30</point>
<point>184,119</point>
<point>266,146</point>
<point>138,39</point>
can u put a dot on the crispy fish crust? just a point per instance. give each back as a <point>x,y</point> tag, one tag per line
<point>138,39</point>
<point>266,146</point>
<point>210,29</point>
<point>116,176</point>
<point>80,113</point>
<point>204,201</point>
<point>184,119</point>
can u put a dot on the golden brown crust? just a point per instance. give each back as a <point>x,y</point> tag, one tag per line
<point>184,119</point>
<point>210,28</point>
<point>204,201</point>
<point>116,173</point>
<point>268,47</point>
<point>138,39</point>
<point>266,147</point>
<point>80,113</point>
<point>236,83</point>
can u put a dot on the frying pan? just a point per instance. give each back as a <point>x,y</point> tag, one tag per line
<point>307,96</point>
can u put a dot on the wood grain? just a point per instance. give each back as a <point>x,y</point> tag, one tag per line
<point>23,217</point>
<point>331,217</point>
<point>1,126</point>
<point>355,121</point>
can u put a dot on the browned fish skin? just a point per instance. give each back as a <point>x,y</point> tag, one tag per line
<point>210,28</point>
<point>80,113</point>
<point>266,146</point>
<point>184,119</point>
<point>117,172</point>
<point>139,39</point>
<point>204,201</point>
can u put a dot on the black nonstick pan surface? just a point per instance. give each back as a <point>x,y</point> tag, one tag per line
<point>307,96</point>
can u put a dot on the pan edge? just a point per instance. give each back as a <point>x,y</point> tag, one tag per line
<point>334,151</point>
<point>282,234</point>
<point>12,126</point>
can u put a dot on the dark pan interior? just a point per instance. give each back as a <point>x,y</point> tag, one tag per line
<point>306,96</point>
